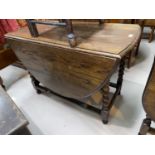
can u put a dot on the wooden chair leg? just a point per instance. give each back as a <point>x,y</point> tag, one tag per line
<point>151,34</point>
<point>71,35</point>
<point>145,126</point>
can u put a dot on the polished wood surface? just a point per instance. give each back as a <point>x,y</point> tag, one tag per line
<point>131,56</point>
<point>66,71</point>
<point>11,118</point>
<point>112,40</point>
<point>81,71</point>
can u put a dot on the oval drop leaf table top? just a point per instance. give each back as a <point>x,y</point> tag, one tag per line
<point>74,72</point>
<point>68,72</point>
<point>109,39</point>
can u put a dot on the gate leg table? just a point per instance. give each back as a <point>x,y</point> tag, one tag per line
<point>77,73</point>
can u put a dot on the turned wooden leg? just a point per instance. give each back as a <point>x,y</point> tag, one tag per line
<point>35,84</point>
<point>138,43</point>
<point>1,83</point>
<point>137,47</point>
<point>151,34</point>
<point>105,109</point>
<point>32,27</point>
<point>129,59</point>
<point>120,75</point>
<point>145,126</point>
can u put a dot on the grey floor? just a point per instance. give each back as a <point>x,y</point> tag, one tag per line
<point>48,114</point>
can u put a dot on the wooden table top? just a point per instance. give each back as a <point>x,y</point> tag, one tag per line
<point>110,39</point>
<point>11,117</point>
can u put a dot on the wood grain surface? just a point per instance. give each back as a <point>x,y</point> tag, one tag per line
<point>112,40</point>
<point>65,71</point>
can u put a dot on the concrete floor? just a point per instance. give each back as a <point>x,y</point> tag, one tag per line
<point>48,114</point>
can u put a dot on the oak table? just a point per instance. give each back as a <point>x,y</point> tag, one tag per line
<point>12,121</point>
<point>77,73</point>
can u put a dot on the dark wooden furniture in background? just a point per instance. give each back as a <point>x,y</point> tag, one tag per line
<point>149,103</point>
<point>77,73</point>
<point>12,121</point>
<point>149,23</point>
<point>7,57</point>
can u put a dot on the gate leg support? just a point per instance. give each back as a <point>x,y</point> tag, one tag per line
<point>105,108</point>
